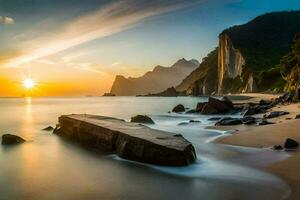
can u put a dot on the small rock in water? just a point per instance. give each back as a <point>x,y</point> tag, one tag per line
<point>8,139</point>
<point>182,123</point>
<point>179,108</point>
<point>275,114</point>
<point>194,121</point>
<point>277,147</point>
<point>214,118</point>
<point>291,144</point>
<point>49,128</point>
<point>177,135</point>
<point>229,121</point>
<point>142,119</point>
<point>192,111</point>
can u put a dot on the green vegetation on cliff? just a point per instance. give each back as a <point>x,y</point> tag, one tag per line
<point>290,67</point>
<point>263,42</point>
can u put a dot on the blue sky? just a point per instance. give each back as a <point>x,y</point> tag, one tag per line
<point>108,37</point>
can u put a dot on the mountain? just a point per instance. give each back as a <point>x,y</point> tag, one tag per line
<point>203,79</point>
<point>154,81</point>
<point>247,58</point>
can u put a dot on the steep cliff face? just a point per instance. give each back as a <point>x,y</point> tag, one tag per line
<point>254,51</point>
<point>202,81</point>
<point>154,81</point>
<point>230,61</point>
<point>248,57</point>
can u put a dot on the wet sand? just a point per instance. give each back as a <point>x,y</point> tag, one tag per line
<point>266,137</point>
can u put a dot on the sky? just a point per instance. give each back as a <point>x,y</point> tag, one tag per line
<point>75,47</point>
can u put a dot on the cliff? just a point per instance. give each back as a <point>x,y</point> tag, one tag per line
<point>290,69</point>
<point>249,54</point>
<point>247,58</point>
<point>154,81</point>
<point>202,81</point>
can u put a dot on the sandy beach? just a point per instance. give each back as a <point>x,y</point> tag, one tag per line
<point>285,126</point>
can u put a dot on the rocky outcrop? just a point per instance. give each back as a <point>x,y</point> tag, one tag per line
<point>154,81</point>
<point>216,106</point>
<point>8,139</point>
<point>170,92</point>
<point>248,57</point>
<point>202,81</point>
<point>230,61</point>
<point>128,140</point>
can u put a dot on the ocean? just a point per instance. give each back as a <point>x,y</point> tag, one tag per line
<point>47,167</point>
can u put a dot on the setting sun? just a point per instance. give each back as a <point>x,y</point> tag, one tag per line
<point>28,83</point>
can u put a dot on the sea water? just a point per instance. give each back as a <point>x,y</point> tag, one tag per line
<point>48,167</point>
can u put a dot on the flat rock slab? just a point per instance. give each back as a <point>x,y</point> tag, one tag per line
<point>129,140</point>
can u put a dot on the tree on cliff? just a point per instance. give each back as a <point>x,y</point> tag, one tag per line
<point>290,67</point>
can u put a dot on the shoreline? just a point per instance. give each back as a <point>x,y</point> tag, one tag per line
<point>267,136</point>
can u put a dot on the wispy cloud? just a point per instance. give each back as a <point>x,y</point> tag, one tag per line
<point>4,20</point>
<point>107,20</point>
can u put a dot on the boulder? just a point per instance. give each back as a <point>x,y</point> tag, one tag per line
<point>142,119</point>
<point>209,109</point>
<point>275,114</point>
<point>277,147</point>
<point>255,109</point>
<point>249,120</point>
<point>130,141</point>
<point>227,101</point>
<point>49,128</point>
<point>229,121</point>
<point>179,108</point>
<point>200,106</point>
<point>215,106</point>
<point>8,139</point>
<point>291,144</point>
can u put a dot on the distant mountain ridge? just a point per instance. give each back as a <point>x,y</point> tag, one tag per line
<point>154,81</point>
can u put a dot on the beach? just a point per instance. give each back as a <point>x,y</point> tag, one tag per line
<point>267,136</point>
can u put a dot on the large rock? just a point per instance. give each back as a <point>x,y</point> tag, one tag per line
<point>249,120</point>
<point>229,121</point>
<point>215,106</point>
<point>178,108</point>
<point>200,106</point>
<point>275,114</point>
<point>142,119</point>
<point>291,144</point>
<point>129,140</point>
<point>8,139</point>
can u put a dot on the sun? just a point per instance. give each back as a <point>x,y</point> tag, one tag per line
<point>28,83</point>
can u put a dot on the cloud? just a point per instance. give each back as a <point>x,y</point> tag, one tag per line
<point>6,20</point>
<point>112,18</point>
